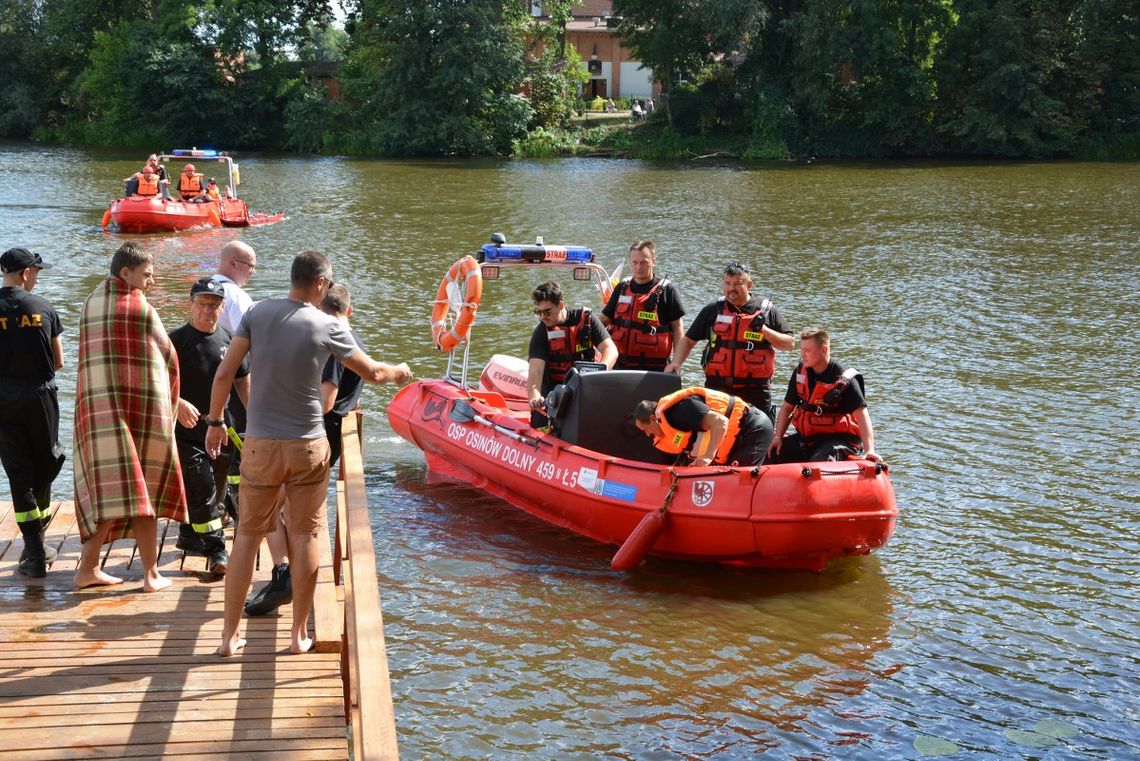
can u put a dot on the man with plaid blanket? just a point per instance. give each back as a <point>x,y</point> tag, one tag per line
<point>127,474</point>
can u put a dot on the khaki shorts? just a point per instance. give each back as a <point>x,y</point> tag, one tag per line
<point>301,466</point>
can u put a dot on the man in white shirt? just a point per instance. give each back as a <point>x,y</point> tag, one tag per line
<point>235,267</point>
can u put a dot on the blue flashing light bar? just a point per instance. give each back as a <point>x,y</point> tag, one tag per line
<point>491,252</point>
<point>198,153</point>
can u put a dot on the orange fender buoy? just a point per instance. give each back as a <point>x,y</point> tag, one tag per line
<point>106,218</point>
<point>640,541</point>
<point>212,215</point>
<point>467,279</point>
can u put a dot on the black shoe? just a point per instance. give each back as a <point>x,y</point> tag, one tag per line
<point>278,592</point>
<point>192,546</point>
<point>219,562</point>
<point>49,555</point>
<point>33,567</point>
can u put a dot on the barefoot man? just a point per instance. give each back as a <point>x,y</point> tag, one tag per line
<point>289,340</point>
<point>127,474</point>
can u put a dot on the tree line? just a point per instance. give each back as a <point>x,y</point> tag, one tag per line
<point>770,78</point>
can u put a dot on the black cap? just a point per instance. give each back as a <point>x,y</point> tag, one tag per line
<point>208,286</point>
<point>20,258</point>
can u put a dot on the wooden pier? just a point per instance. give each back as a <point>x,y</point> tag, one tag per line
<point>114,672</point>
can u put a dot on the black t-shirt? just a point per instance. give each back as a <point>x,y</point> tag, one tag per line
<point>199,355</point>
<point>669,306</point>
<point>851,400</point>
<point>348,384</point>
<point>687,414</point>
<point>706,318</point>
<point>28,324</point>
<point>540,349</point>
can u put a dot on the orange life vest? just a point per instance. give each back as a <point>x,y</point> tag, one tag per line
<point>812,416</point>
<point>213,193</point>
<point>567,344</point>
<point>674,441</point>
<point>190,186</point>
<point>737,350</point>
<point>148,184</point>
<point>642,341</point>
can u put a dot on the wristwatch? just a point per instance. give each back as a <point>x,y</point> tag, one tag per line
<point>215,422</point>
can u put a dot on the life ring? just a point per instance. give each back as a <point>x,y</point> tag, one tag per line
<point>464,280</point>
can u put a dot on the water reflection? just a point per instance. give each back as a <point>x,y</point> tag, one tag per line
<point>696,657</point>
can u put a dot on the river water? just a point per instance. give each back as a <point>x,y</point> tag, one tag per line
<point>993,310</point>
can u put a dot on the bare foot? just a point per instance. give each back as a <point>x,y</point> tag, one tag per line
<point>96,578</point>
<point>303,645</point>
<point>230,647</point>
<point>156,583</point>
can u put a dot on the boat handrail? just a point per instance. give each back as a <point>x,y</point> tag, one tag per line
<point>233,175</point>
<point>364,660</point>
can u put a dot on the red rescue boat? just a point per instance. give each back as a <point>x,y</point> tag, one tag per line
<point>139,214</point>
<point>596,474</point>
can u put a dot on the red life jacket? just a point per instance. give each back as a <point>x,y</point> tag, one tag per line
<point>148,184</point>
<point>190,186</point>
<point>816,414</point>
<point>567,344</point>
<point>643,343</point>
<point>737,350</point>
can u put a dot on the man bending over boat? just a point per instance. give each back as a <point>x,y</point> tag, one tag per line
<point>285,441</point>
<point>828,410</point>
<point>727,429</point>
<point>562,337</point>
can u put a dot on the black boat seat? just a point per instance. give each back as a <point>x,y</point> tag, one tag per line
<point>595,411</point>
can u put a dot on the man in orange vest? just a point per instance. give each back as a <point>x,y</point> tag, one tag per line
<point>826,406</point>
<point>743,337</point>
<point>190,185</point>
<point>728,429</point>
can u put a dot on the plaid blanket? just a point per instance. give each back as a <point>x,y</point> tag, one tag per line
<point>126,461</point>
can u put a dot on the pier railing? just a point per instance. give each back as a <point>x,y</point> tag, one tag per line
<point>364,660</point>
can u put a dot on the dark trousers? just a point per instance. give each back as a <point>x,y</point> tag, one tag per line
<point>29,449</point>
<point>333,425</point>
<point>826,448</point>
<point>753,439</point>
<point>759,396</point>
<point>204,527</point>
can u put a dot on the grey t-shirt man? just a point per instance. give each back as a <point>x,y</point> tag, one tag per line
<point>289,343</point>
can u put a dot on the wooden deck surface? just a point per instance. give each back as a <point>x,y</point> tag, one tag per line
<point>114,672</point>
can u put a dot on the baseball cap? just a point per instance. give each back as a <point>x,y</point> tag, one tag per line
<point>20,258</point>
<point>208,286</point>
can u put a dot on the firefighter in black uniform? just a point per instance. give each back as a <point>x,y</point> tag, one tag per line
<point>31,352</point>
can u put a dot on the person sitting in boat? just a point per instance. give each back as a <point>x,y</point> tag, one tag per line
<point>827,409</point>
<point>644,314</point>
<point>562,337</point>
<point>743,336</point>
<point>736,431</point>
<point>212,192</point>
<point>146,183</point>
<point>191,186</point>
<point>163,176</point>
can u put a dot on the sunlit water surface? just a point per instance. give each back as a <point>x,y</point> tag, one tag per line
<point>993,311</point>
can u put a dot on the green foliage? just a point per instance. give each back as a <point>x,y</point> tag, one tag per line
<point>437,78</point>
<point>311,120</point>
<point>541,143</point>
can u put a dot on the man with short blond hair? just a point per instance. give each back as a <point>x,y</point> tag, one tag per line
<point>825,402</point>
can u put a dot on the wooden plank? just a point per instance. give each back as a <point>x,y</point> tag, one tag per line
<point>375,735</point>
<point>118,673</point>
<point>327,614</point>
